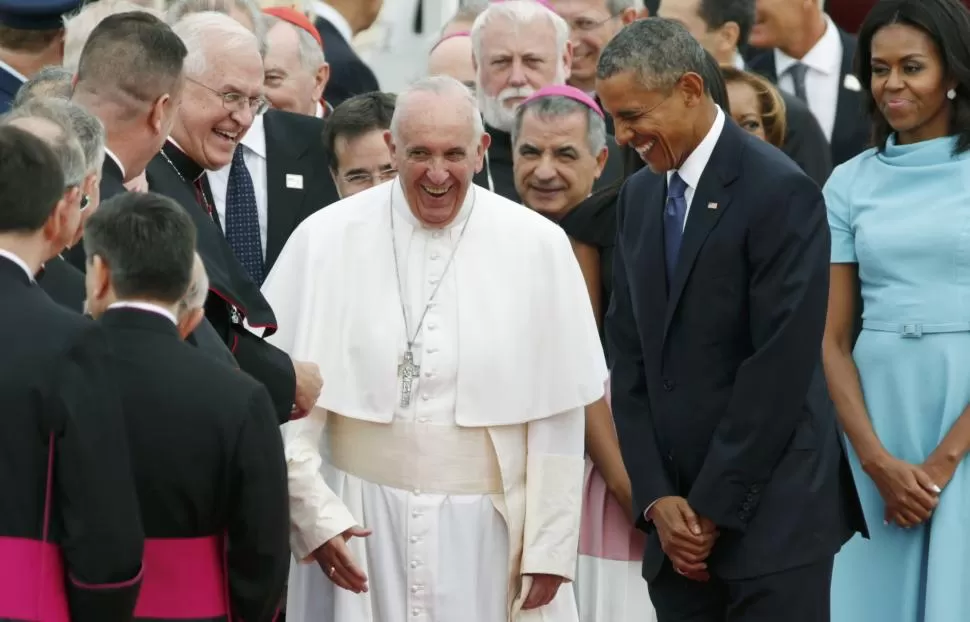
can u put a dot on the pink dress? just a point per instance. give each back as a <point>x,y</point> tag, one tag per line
<point>609,586</point>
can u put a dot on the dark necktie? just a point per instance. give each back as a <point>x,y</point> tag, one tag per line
<point>242,218</point>
<point>797,73</point>
<point>674,213</point>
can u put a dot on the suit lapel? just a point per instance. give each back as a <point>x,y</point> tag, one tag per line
<point>286,175</point>
<point>711,200</point>
<point>655,296</point>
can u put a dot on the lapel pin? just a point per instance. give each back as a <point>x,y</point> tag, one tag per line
<point>294,181</point>
<point>712,205</point>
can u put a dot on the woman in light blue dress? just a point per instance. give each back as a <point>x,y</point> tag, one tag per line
<point>900,221</point>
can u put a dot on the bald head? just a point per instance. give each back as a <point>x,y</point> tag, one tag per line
<point>453,57</point>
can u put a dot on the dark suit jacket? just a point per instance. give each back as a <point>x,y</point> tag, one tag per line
<point>852,126</point>
<point>61,408</point>
<point>9,85</point>
<point>64,283</point>
<point>206,454</point>
<point>349,75</point>
<point>499,162</point>
<point>233,294</point>
<point>805,142</point>
<point>717,384</point>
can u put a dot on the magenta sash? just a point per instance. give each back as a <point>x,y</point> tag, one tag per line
<point>31,581</point>
<point>184,578</point>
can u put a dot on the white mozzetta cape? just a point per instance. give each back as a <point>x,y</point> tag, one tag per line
<point>528,343</point>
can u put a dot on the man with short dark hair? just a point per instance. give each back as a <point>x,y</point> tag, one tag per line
<point>70,534</point>
<point>206,452</point>
<point>720,289</point>
<point>722,27</point>
<point>354,141</point>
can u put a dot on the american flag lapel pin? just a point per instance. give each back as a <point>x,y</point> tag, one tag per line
<point>712,205</point>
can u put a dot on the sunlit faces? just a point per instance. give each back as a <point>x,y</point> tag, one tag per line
<point>362,162</point>
<point>591,26</point>
<point>436,153</point>
<point>746,109</point>
<point>289,84</point>
<point>516,61</point>
<point>658,125</point>
<point>453,57</point>
<point>208,128</point>
<point>908,83</point>
<point>553,166</point>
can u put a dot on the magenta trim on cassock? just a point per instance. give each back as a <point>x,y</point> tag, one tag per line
<point>184,578</point>
<point>31,581</point>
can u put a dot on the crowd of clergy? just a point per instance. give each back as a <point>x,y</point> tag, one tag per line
<point>628,311</point>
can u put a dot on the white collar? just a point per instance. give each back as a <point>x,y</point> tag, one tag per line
<point>320,111</point>
<point>20,262</point>
<point>693,167</point>
<point>332,15</point>
<point>117,161</point>
<point>255,138</point>
<point>738,62</point>
<point>12,71</point>
<point>403,211</point>
<point>144,306</point>
<point>824,57</point>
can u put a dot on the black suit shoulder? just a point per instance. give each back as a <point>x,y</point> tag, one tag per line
<point>63,283</point>
<point>349,74</point>
<point>805,142</point>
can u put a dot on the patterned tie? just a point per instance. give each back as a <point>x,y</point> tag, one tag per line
<point>674,213</point>
<point>242,218</point>
<point>797,73</point>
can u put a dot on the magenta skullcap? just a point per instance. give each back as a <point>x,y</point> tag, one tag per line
<point>563,90</point>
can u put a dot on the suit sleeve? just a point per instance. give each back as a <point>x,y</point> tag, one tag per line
<point>628,387</point>
<point>258,556</point>
<point>98,507</point>
<point>789,245</point>
<point>269,365</point>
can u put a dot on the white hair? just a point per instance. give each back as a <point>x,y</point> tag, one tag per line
<point>310,53</point>
<point>180,9</point>
<point>199,31</point>
<point>79,26</point>
<point>439,85</point>
<point>520,13</point>
<point>615,7</point>
<point>198,290</point>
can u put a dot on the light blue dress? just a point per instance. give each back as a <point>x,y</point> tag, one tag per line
<point>904,217</point>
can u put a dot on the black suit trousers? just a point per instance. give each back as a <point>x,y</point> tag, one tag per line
<point>796,595</point>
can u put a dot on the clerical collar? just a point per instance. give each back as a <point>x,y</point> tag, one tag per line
<point>144,306</point>
<point>404,212</point>
<point>184,165</point>
<point>17,260</point>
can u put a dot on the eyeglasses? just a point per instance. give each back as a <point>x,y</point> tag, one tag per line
<point>585,24</point>
<point>358,179</point>
<point>237,102</point>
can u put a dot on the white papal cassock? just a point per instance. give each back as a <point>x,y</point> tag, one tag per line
<point>479,480</point>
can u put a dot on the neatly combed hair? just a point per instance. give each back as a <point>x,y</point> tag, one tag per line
<point>132,55</point>
<point>79,25</point>
<point>440,85</point>
<point>355,117</point>
<point>716,13</point>
<point>31,181</point>
<point>615,7</point>
<point>773,113</point>
<point>310,52</point>
<point>198,291</point>
<point>29,41</point>
<point>90,133</point>
<point>65,144</point>
<point>51,81</point>
<point>204,32</point>
<point>519,13</point>
<point>659,51</point>
<point>558,106</point>
<point>148,243</point>
<point>946,23</point>
<point>180,9</point>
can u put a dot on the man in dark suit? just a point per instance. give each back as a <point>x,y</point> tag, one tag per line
<point>802,50</point>
<point>338,22</point>
<point>721,267</point>
<point>69,501</point>
<point>206,453</point>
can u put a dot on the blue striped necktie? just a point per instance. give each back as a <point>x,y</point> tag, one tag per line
<point>242,218</point>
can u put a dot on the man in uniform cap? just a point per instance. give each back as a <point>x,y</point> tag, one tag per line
<point>31,37</point>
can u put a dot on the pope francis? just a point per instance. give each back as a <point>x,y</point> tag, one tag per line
<point>439,478</point>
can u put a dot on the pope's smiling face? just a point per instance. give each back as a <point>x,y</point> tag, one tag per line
<point>437,153</point>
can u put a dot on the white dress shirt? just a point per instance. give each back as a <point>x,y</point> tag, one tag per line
<point>696,162</point>
<point>144,306</point>
<point>20,262</point>
<point>332,15</point>
<point>823,79</point>
<point>253,145</point>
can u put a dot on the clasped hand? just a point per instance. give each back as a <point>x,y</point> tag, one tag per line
<point>686,538</point>
<point>910,492</point>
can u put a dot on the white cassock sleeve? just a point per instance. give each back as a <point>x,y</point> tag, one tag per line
<point>555,465</point>
<point>316,513</point>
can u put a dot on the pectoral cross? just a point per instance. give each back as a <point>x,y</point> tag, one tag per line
<point>408,372</point>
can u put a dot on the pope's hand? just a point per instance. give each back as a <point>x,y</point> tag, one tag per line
<point>308,385</point>
<point>337,562</point>
<point>544,588</point>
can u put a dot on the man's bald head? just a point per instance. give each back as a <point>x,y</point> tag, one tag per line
<point>452,56</point>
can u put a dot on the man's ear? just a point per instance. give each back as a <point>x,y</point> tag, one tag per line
<point>156,116</point>
<point>189,321</point>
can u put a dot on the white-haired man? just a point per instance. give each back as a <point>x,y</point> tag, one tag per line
<point>519,47</point>
<point>296,70</point>
<point>459,349</point>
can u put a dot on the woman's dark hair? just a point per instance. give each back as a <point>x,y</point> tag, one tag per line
<point>947,24</point>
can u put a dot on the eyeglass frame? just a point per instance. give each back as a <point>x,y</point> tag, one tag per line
<point>590,27</point>
<point>231,99</point>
